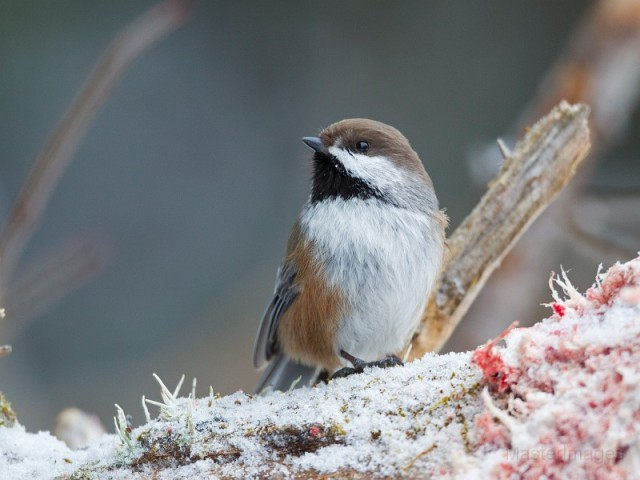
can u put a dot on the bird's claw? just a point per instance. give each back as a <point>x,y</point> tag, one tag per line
<point>359,366</point>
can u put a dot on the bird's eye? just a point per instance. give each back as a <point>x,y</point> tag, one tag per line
<point>362,146</point>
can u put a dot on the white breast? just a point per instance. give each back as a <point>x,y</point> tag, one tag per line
<point>384,260</point>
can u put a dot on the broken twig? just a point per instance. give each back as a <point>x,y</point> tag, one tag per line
<point>530,178</point>
<point>65,138</point>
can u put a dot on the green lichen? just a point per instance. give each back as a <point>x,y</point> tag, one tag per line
<point>7,415</point>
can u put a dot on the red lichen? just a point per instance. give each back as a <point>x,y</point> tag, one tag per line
<point>618,277</point>
<point>570,384</point>
<point>491,432</point>
<point>558,309</point>
<point>494,370</point>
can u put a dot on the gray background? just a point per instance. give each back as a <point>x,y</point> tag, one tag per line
<point>194,171</point>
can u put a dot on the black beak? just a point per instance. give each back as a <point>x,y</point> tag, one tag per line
<point>316,144</point>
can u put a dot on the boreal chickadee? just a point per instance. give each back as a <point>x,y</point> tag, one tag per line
<point>360,261</point>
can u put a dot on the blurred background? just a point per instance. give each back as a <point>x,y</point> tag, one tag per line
<point>179,201</point>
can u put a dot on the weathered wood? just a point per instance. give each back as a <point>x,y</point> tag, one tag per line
<point>538,168</point>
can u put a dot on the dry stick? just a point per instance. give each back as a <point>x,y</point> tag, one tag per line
<point>598,66</point>
<point>531,177</point>
<point>36,288</point>
<point>57,152</point>
<point>4,349</point>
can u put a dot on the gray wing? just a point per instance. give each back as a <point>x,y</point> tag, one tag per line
<point>285,292</point>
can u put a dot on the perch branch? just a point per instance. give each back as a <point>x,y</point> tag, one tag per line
<point>530,178</point>
<point>598,67</point>
<point>63,142</point>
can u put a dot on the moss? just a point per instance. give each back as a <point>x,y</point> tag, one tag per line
<point>7,415</point>
<point>464,432</point>
<point>171,450</point>
<point>296,441</point>
<point>82,474</point>
<point>446,400</point>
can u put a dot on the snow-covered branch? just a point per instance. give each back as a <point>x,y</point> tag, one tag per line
<point>560,399</point>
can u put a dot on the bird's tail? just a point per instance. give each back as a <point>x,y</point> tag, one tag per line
<point>282,373</point>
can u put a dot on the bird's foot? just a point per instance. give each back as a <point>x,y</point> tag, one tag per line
<point>390,361</point>
<point>359,365</point>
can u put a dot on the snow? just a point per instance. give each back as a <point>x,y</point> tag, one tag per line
<point>40,455</point>
<point>572,387</point>
<point>560,399</point>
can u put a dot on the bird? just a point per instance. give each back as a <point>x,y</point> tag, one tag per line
<point>360,261</point>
